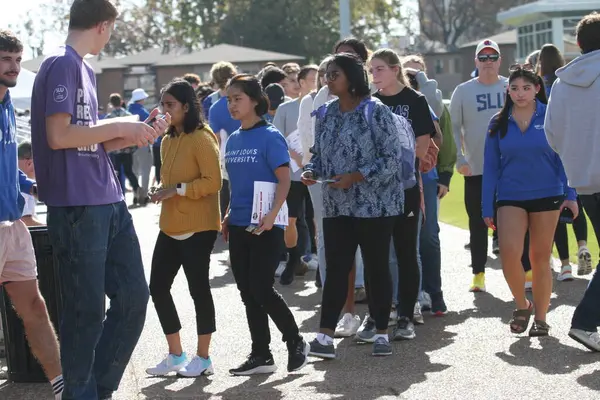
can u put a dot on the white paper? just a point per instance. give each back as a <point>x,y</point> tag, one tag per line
<point>128,118</point>
<point>264,195</point>
<point>293,140</point>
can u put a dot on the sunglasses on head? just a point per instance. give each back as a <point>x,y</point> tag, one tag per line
<point>524,67</point>
<point>488,57</point>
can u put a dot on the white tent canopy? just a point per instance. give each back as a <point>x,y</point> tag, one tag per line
<point>21,94</point>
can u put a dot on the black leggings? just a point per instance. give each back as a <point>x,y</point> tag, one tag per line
<point>342,237</point>
<point>126,160</point>
<point>561,239</point>
<point>478,230</point>
<point>254,259</point>
<point>406,228</point>
<point>194,254</point>
<point>224,197</point>
<point>309,216</point>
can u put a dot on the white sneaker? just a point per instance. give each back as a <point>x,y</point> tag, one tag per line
<point>171,363</point>
<point>348,326</point>
<point>565,275</point>
<point>584,258</point>
<point>393,317</point>
<point>591,340</point>
<point>280,269</point>
<point>197,367</point>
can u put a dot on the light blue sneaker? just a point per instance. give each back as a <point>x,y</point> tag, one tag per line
<point>197,367</point>
<point>171,363</point>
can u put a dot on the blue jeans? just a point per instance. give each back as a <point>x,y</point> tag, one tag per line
<point>587,313</point>
<point>97,255</point>
<point>429,241</point>
<point>316,195</point>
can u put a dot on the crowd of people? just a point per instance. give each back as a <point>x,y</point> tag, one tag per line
<point>353,156</point>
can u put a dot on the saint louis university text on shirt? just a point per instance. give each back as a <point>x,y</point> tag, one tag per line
<point>242,156</point>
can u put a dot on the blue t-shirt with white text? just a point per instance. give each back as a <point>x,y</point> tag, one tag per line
<point>252,155</point>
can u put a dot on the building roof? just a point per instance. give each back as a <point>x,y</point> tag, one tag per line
<point>532,11</point>
<point>98,64</point>
<point>226,52</point>
<point>151,56</point>
<point>508,37</point>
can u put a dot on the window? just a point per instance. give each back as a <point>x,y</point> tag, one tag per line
<point>532,37</point>
<point>439,66</point>
<point>457,65</point>
<point>145,80</point>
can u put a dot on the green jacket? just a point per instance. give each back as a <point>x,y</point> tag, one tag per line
<point>447,155</point>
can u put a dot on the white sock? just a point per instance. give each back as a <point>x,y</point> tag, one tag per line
<point>381,335</point>
<point>58,386</point>
<point>324,339</point>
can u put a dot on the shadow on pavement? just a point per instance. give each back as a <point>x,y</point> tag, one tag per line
<point>159,391</point>
<point>591,381</point>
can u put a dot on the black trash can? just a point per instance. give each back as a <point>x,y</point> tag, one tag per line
<point>22,366</point>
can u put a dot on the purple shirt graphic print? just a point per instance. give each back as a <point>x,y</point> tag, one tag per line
<point>66,84</point>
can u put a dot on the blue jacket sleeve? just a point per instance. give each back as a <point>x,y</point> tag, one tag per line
<point>387,162</point>
<point>25,183</point>
<point>491,172</point>
<point>569,191</point>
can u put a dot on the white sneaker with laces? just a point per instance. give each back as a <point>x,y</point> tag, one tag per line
<point>171,363</point>
<point>393,317</point>
<point>566,274</point>
<point>591,340</point>
<point>347,326</point>
<point>197,367</point>
<point>584,261</point>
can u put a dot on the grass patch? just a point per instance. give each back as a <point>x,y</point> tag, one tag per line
<point>452,211</point>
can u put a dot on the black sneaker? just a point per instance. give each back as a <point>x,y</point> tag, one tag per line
<point>297,355</point>
<point>326,351</point>
<point>405,329</point>
<point>438,305</point>
<point>255,365</point>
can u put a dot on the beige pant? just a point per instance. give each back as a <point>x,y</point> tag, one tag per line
<point>17,258</point>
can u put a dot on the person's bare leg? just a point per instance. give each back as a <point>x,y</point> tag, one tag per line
<point>541,233</point>
<point>512,227</point>
<point>31,308</point>
<point>204,345</point>
<point>174,341</point>
<point>291,234</point>
<point>349,306</point>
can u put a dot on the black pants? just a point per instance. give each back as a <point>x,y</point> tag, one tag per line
<point>404,236</point>
<point>194,254</point>
<point>254,259</point>
<point>478,230</point>
<point>224,197</point>
<point>126,160</point>
<point>579,227</point>
<point>342,237</point>
<point>309,215</point>
<point>156,161</point>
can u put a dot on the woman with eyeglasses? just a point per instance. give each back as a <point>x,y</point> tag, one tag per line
<point>525,178</point>
<point>362,196</point>
<point>258,152</point>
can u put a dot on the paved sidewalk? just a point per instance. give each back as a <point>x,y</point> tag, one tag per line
<point>469,353</point>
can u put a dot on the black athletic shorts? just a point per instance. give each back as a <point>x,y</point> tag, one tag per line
<point>536,205</point>
<point>295,199</point>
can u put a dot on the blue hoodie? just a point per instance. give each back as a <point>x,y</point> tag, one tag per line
<point>11,178</point>
<point>522,166</point>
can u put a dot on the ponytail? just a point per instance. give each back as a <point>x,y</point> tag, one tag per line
<point>541,94</point>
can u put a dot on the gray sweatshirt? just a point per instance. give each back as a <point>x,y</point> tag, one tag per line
<point>572,122</point>
<point>472,106</point>
<point>429,88</point>
<point>286,122</point>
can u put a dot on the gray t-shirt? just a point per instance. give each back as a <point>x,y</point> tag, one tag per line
<point>286,122</point>
<point>472,107</point>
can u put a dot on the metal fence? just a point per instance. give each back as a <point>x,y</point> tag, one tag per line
<point>23,129</point>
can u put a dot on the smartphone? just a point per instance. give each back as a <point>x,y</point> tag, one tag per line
<point>327,181</point>
<point>153,120</point>
<point>566,216</point>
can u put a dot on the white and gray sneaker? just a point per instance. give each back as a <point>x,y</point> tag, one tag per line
<point>566,274</point>
<point>418,315</point>
<point>347,326</point>
<point>426,302</point>
<point>393,317</point>
<point>171,363</point>
<point>197,367</point>
<point>584,261</point>
<point>366,332</point>
<point>405,329</point>
<point>591,340</point>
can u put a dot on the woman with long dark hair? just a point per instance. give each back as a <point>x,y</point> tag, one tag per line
<point>258,152</point>
<point>361,196</point>
<point>549,60</point>
<point>189,223</point>
<point>527,181</point>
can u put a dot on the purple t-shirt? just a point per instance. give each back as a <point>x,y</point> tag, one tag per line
<point>65,83</point>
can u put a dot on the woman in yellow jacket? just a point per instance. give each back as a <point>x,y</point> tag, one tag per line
<point>189,223</point>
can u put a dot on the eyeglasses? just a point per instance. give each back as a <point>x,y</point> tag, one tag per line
<point>524,67</point>
<point>488,57</point>
<point>332,76</point>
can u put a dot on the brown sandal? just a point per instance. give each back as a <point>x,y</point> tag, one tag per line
<point>520,319</point>
<point>539,328</point>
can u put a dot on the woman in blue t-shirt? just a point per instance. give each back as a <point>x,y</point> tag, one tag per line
<point>257,152</point>
<point>527,181</point>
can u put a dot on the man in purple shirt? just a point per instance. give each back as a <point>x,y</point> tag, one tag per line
<point>91,230</point>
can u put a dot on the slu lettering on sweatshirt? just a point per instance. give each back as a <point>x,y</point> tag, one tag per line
<point>490,101</point>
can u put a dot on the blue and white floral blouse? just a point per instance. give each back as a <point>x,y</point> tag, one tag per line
<point>344,143</point>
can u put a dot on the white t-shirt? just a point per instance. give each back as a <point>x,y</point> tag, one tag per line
<point>29,208</point>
